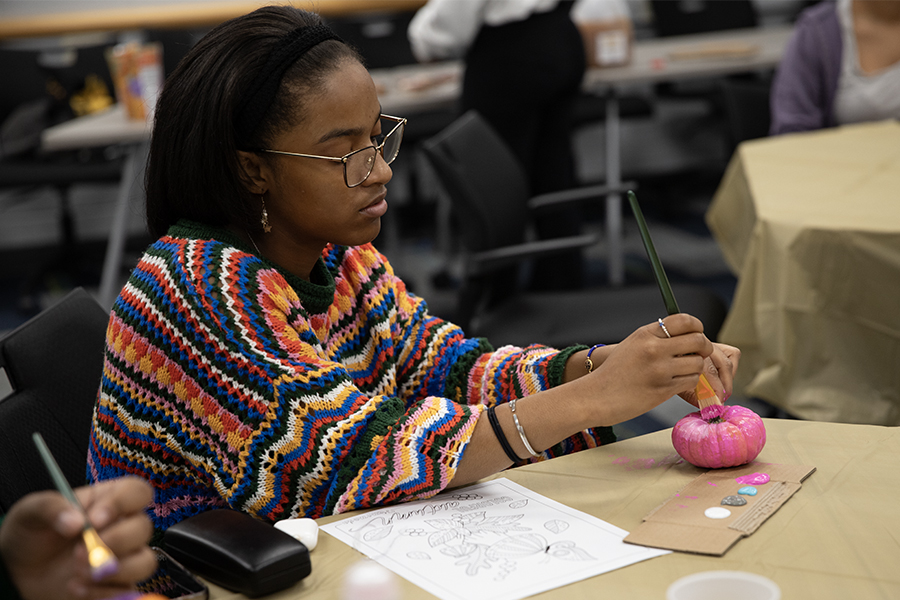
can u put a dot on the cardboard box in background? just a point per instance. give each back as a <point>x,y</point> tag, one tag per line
<point>137,74</point>
<point>607,43</point>
<point>606,30</point>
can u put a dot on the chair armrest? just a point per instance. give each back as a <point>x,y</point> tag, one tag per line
<point>581,194</point>
<point>489,260</point>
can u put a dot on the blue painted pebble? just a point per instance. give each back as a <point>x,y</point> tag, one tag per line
<point>748,490</point>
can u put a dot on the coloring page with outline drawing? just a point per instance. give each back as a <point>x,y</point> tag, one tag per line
<point>494,541</point>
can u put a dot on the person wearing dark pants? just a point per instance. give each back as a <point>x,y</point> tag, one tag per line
<point>524,66</point>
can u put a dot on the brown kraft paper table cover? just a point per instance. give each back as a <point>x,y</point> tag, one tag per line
<point>810,223</point>
<point>837,538</point>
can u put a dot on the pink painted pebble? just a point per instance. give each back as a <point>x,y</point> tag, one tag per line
<point>755,479</point>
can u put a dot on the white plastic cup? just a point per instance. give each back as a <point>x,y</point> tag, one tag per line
<point>368,580</point>
<point>716,585</point>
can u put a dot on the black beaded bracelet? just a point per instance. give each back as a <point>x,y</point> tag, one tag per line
<point>501,437</point>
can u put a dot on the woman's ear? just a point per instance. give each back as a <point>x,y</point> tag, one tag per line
<point>254,172</point>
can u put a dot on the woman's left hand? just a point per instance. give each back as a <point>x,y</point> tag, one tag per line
<point>719,368</point>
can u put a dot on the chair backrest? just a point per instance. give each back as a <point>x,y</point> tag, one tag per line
<point>747,110</point>
<point>54,363</point>
<point>487,185</point>
<point>682,17</point>
<point>488,191</point>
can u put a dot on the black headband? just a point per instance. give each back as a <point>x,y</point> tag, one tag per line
<point>261,93</point>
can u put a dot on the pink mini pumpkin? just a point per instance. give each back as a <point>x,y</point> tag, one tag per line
<point>719,436</point>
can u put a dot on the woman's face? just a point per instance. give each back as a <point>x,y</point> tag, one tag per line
<point>308,203</point>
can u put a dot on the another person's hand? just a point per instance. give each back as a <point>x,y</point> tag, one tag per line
<point>41,545</point>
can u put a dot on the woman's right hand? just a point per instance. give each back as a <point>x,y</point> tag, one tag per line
<point>647,368</point>
<point>644,370</point>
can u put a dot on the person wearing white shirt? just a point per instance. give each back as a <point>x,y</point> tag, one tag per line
<point>524,63</point>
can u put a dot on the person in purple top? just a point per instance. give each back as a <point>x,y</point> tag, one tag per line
<point>842,65</point>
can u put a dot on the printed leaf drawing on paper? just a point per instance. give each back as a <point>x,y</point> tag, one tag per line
<point>494,540</point>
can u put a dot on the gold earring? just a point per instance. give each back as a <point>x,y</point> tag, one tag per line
<point>264,219</point>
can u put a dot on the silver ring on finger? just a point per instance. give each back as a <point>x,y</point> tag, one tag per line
<point>663,326</point>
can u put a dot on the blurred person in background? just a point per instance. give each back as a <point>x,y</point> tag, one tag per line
<point>524,63</point>
<point>842,65</point>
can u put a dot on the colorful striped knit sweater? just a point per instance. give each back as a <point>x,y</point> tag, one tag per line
<point>230,382</point>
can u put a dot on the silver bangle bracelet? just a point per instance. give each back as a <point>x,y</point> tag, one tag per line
<point>512,408</point>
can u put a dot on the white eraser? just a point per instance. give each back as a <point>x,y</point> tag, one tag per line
<point>304,530</point>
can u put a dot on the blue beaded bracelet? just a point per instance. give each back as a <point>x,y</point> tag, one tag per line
<point>588,364</point>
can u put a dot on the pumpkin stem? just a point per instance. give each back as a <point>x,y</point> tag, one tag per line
<point>712,413</point>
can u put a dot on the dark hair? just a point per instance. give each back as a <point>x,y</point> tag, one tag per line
<point>193,170</point>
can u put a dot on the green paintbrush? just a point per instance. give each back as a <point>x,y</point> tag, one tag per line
<point>658,271</point>
<point>704,390</point>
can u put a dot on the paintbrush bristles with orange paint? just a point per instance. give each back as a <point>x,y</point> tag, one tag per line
<point>706,396</point>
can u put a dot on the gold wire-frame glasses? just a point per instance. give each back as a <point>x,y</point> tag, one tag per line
<point>358,165</point>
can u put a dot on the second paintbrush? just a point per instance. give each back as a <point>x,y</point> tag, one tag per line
<point>101,559</point>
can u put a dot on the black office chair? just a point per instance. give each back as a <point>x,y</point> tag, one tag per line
<point>490,199</point>
<point>747,111</point>
<point>54,364</point>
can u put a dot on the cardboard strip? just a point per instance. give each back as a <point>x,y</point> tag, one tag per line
<point>684,538</point>
<point>764,507</point>
<point>680,523</point>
